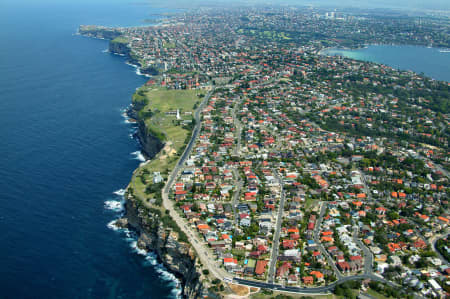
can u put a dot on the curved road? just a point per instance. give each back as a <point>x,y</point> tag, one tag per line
<point>317,290</point>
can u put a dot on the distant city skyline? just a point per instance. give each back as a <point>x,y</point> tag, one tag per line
<point>397,4</point>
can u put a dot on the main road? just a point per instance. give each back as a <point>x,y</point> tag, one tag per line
<point>316,290</point>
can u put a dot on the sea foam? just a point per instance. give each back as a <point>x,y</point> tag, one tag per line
<point>120,192</point>
<point>138,156</point>
<point>138,250</point>
<point>151,259</point>
<point>112,225</point>
<point>114,205</point>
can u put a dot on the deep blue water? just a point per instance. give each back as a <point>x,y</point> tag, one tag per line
<point>64,149</point>
<point>430,61</point>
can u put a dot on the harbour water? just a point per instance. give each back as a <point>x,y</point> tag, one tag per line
<point>433,62</point>
<point>65,153</point>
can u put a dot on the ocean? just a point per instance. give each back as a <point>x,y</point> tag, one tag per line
<point>432,62</point>
<point>65,153</point>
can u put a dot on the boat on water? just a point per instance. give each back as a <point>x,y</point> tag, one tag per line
<point>445,51</point>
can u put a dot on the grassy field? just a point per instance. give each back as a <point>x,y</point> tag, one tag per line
<point>168,100</point>
<point>120,39</point>
<point>376,294</point>
<point>161,101</point>
<point>169,45</point>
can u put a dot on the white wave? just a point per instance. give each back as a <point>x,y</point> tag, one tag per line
<point>177,292</point>
<point>114,205</point>
<point>138,250</point>
<point>120,192</point>
<point>172,279</point>
<point>105,51</point>
<point>138,72</point>
<point>139,156</point>
<point>112,225</point>
<point>152,260</point>
<point>130,64</point>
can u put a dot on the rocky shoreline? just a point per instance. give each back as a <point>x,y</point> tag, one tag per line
<point>117,45</point>
<point>177,257</point>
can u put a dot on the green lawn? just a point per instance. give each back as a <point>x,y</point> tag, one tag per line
<point>309,201</point>
<point>120,39</point>
<point>376,294</point>
<point>168,100</point>
<point>169,45</point>
<point>161,101</point>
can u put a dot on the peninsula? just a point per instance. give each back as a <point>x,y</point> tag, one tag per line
<point>276,171</point>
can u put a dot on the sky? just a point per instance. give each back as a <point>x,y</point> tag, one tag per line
<point>399,4</point>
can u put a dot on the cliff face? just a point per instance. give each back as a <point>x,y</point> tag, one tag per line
<point>118,44</point>
<point>150,145</point>
<point>149,71</point>
<point>176,256</point>
<point>119,48</point>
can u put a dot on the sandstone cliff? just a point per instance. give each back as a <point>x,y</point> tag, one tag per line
<point>118,44</point>
<point>150,145</point>
<point>178,257</point>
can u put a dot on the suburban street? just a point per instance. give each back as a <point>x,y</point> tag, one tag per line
<point>319,244</point>
<point>236,197</point>
<point>433,241</point>
<point>276,237</point>
<point>368,256</point>
<point>202,251</point>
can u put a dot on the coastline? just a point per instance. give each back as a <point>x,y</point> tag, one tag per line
<point>154,236</point>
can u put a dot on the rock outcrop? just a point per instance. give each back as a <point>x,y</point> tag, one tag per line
<point>98,32</point>
<point>118,46</point>
<point>178,257</point>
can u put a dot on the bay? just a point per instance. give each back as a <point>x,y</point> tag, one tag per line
<point>432,62</point>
